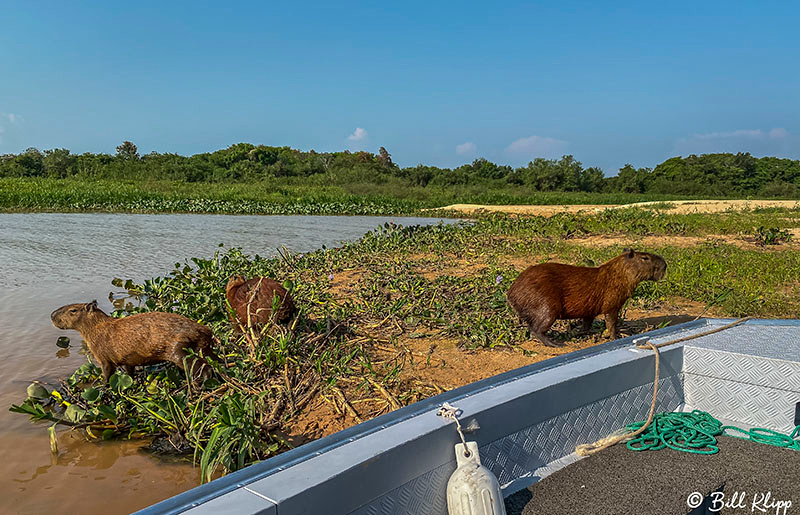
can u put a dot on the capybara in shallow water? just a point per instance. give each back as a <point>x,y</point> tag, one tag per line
<point>550,291</point>
<point>140,339</point>
<point>252,301</point>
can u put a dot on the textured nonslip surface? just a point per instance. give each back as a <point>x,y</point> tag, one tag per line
<point>733,365</point>
<point>535,447</point>
<point>749,373</point>
<point>775,341</point>
<point>532,452</point>
<point>620,481</point>
<point>750,404</point>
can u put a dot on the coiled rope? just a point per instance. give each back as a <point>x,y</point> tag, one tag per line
<point>625,433</point>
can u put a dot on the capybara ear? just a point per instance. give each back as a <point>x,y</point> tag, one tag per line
<point>92,306</point>
<point>629,253</point>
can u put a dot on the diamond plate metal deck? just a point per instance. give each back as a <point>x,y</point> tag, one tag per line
<point>742,368</point>
<point>744,403</point>
<point>779,341</point>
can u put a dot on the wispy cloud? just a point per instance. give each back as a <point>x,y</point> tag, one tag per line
<point>466,148</point>
<point>7,120</point>
<point>778,133</point>
<point>358,135</point>
<point>537,146</point>
<point>756,141</point>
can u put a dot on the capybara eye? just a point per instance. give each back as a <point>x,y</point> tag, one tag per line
<point>646,258</point>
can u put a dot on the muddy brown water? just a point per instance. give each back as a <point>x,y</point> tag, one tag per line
<point>48,260</point>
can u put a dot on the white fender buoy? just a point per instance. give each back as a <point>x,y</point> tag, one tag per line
<point>473,489</point>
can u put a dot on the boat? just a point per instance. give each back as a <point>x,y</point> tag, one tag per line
<point>526,422</point>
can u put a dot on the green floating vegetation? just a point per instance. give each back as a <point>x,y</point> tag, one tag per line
<point>276,196</point>
<point>359,302</point>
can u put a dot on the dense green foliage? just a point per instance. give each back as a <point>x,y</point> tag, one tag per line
<point>273,197</point>
<point>362,299</point>
<point>710,174</point>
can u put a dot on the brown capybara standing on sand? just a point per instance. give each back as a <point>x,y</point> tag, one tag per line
<point>140,339</point>
<point>252,301</point>
<point>550,291</point>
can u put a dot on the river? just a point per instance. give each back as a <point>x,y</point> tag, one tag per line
<point>48,260</point>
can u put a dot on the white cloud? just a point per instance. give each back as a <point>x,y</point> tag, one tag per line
<point>742,133</point>
<point>358,135</point>
<point>7,123</point>
<point>466,148</point>
<point>537,146</point>
<point>778,133</point>
<point>755,141</point>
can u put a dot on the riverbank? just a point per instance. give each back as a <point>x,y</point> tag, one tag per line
<point>405,313</point>
<point>670,207</point>
<point>276,197</point>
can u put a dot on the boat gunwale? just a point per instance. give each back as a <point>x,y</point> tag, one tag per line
<point>241,478</point>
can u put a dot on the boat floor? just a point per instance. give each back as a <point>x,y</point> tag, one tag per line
<point>620,481</point>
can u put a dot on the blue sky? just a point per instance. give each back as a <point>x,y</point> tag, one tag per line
<point>434,82</point>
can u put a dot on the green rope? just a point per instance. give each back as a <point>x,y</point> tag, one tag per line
<point>697,432</point>
<point>767,436</point>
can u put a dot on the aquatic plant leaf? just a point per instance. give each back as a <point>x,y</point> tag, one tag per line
<point>108,434</point>
<point>119,382</point>
<point>152,387</point>
<point>74,413</point>
<point>29,407</point>
<point>51,431</point>
<point>108,412</point>
<point>37,391</point>
<point>91,394</point>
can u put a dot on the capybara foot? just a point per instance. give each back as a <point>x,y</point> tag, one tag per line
<point>549,342</point>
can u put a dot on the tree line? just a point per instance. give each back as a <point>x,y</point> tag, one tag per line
<point>707,174</point>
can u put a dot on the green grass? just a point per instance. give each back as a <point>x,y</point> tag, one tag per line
<point>288,196</point>
<point>393,284</point>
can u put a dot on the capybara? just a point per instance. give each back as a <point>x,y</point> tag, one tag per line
<point>550,291</point>
<point>140,339</point>
<point>252,301</point>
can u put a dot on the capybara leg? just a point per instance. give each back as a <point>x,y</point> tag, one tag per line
<point>108,368</point>
<point>194,367</point>
<point>538,330</point>
<point>586,327</point>
<point>612,324</point>
<point>128,369</point>
<point>546,340</point>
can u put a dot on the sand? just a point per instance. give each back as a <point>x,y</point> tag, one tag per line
<point>678,207</point>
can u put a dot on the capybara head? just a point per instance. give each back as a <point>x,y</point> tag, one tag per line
<point>643,266</point>
<point>233,282</point>
<point>71,315</point>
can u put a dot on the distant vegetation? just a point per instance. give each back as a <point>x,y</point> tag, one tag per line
<point>364,173</point>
